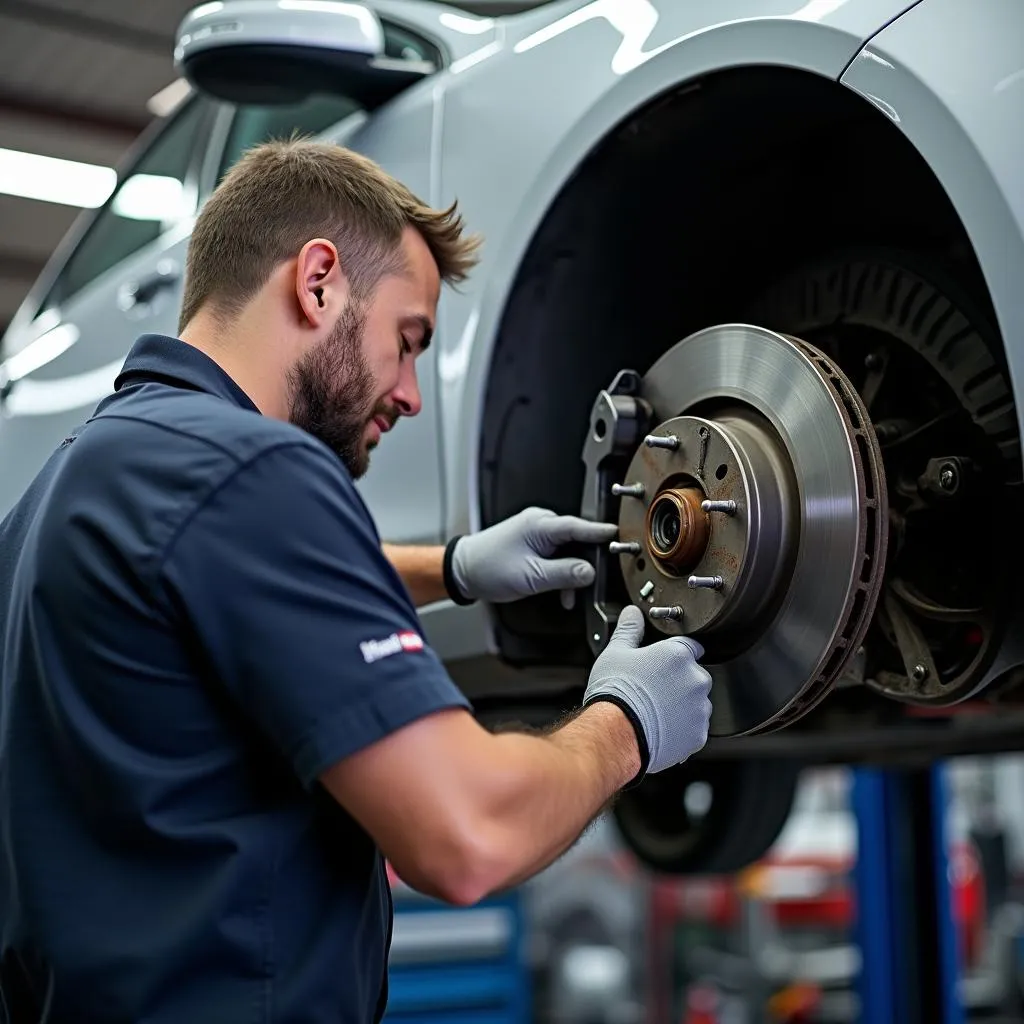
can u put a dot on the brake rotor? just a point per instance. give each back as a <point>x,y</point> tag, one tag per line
<point>752,516</point>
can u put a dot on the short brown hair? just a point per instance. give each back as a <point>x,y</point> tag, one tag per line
<point>282,193</point>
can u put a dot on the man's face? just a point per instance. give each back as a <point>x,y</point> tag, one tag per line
<point>352,386</point>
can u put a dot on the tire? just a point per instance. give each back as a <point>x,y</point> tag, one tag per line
<point>751,800</point>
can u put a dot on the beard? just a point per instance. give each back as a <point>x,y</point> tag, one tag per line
<point>332,392</point>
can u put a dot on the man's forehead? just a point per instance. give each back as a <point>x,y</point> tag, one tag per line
<point>415,287</point>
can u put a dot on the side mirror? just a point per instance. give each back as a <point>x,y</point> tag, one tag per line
<point>280,51</point>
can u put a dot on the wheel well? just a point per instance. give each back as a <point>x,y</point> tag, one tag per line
<point>674,222</point>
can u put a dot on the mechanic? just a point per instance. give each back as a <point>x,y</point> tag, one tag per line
<point>219,712</point>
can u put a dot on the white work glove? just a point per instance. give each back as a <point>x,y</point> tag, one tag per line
<point>662,688</point>
<point>514,558</point>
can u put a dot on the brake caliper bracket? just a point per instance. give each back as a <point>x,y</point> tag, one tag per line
<point>619,419</point>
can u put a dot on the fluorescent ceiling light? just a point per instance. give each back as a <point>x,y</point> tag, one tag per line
<point>52,180</point>
<point>165,101</point>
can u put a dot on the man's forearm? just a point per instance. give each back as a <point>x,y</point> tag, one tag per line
<point>598,746</point>
<point>421,567</point>
<point>541,792</point>
<point>461,812</point>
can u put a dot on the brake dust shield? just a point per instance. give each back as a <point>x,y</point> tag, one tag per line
<point>747,483</point>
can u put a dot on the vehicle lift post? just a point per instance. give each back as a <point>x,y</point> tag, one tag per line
<point>904,919</point>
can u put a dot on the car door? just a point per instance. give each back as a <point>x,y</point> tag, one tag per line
<point>122,278</point>
<point>403,487</point>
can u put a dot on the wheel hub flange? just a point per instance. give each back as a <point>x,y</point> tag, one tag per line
<point>724,498</point>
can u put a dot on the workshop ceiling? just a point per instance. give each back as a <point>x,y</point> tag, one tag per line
<point>79,80</point>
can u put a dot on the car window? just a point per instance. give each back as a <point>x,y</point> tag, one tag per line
<point>254,124</point>
<point>152,197</point>
<point>400,44</point>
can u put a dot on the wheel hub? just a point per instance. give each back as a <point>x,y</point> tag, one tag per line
<point>676,528</point>
<point>746,482</point>
<point>722,494</point>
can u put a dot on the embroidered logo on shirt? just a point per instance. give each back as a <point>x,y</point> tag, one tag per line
<point>406,640</point>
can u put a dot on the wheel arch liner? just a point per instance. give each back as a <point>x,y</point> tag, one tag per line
<point>963,116</point>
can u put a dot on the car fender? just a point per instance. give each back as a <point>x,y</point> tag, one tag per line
<point>543,99</point>
<point>950,76</point>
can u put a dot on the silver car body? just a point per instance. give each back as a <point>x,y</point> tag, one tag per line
<point>502,127</point>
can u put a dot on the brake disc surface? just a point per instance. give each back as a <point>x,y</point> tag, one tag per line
<point>752,510</point>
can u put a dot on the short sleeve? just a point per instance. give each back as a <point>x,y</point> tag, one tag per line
<point>293,608</point>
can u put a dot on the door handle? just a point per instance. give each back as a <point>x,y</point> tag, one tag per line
<point>141,292</point>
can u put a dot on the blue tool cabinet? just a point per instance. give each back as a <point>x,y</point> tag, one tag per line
<point>458,965</point>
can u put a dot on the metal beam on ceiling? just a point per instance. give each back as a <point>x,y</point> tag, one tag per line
<point>70,115</point>
<point>22,267</point>
<point>87,25</point>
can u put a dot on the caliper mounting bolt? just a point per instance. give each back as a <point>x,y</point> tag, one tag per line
<point>655,441</point>
<point>705,582</point>
<point>920,673</point>
<point>665,612</point>
<point>628,490</point>
<point>624,547</point>
<point>728,506</point>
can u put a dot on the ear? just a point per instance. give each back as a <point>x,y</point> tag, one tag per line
<point>320,284</point>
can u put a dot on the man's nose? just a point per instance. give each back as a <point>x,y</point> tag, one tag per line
<point>406,396</point>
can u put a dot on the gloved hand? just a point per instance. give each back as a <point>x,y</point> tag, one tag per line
<point>513,558</point>
<point>662,688</point>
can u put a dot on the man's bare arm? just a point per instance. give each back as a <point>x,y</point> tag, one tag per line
<point>461,812</point>
<point>421,568</point>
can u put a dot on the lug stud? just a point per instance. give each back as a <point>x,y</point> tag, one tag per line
<point>655,441</point>
<point>704,582</point>
<point>628,490</point>
<point>624,547</point>
<point>665,612</point>
<point>728,507</point>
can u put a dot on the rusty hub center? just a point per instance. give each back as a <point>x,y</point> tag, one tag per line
<point>676,528</point>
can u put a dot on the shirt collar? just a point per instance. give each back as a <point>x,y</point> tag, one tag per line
<point>156,357</point>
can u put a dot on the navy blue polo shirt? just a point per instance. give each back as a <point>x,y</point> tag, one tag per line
<point>196,619</point>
